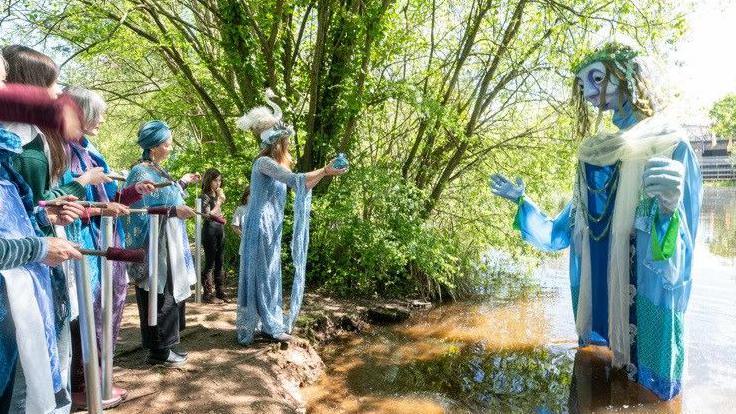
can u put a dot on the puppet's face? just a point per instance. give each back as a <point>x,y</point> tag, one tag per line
<point>591,80</point>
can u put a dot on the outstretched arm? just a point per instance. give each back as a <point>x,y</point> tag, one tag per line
<point>536,228</point>
<point>271,168</point>
<point>33,105</point>
<point>314,177</point>
<point>542,232</point>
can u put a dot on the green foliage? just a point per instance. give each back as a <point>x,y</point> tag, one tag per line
<point>723,115</point>
<point>426,97</point>
<point>368,238</point>
<point>235,170</point>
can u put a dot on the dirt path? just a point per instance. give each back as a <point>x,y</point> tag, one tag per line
<point>220,376</point>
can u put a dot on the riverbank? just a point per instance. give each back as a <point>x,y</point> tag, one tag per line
<point>222,376</point>
<point>521,355</point>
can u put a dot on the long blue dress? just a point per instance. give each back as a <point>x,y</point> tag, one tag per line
<point>659,289</point>
<point>259,284</point>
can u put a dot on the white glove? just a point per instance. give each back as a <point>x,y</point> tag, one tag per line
<point>664,179</point>
<point>502,187</point>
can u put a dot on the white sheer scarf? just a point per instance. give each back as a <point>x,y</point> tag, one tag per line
<point>656,136</point>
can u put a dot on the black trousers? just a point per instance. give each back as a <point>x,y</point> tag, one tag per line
<point>171,319</point>
<point>213,243</point>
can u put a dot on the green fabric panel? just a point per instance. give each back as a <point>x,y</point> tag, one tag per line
<point>660,339</point>
<point>33,166</point>
<point>517,217</point>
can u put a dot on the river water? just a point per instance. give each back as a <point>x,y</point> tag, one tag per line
<point>521,355</point>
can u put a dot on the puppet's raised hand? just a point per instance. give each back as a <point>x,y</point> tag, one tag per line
<point>502,187</point>
<point>664,179</point>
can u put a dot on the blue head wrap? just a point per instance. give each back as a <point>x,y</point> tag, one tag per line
<point>152,134</point>
<point>273,134</point>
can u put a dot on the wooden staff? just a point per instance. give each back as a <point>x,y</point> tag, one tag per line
<point>116,177</point>
<point>164,211</point>
<point>163,184</point>
<point>95,204</point>
<point>117,255</point>
<point>157,211</point>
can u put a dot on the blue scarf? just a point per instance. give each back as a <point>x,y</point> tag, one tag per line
<point>10,146</point>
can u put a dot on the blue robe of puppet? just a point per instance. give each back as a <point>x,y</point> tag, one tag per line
<point>658,289</point>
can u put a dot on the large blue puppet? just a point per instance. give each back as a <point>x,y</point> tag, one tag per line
<point>631,224</point>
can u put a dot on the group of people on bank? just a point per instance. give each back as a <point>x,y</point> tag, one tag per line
<point>630,226</point>
<point>55,186</point>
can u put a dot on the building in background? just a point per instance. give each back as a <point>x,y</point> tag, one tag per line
<point>714,153</point>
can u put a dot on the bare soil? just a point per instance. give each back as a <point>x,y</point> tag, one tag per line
<point>222,376</point>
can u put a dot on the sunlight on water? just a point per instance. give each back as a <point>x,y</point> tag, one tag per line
<point>520,356</point>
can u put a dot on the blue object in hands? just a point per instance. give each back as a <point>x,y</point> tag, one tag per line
<point>341,162</point>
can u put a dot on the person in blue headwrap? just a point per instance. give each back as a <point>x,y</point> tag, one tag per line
<point>176,271</point>
<point>259,284</point>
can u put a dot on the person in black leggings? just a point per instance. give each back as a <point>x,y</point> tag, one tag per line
<point>213,236</point>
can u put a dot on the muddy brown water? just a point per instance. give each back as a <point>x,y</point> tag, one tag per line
<point>509,356</point>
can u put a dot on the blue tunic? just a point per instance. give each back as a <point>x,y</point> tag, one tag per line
<point>600,206</point>
<point>136,231</point>
<point>659,289</point>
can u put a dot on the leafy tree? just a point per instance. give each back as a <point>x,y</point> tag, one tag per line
<point>723,114</point>
<point>427,97</point>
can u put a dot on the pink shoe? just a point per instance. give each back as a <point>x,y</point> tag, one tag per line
<point>119,392</point>
<point>79,400</point>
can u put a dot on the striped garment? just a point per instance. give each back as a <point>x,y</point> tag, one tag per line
<point>18,252</point>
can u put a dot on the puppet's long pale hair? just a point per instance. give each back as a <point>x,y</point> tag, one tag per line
<point>646,103</point>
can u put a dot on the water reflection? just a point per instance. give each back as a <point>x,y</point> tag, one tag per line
<point>466,357</point>
<point>718,221</point>
<point>509,356</point>
<point>595,387</point>
<point>708,383</point>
